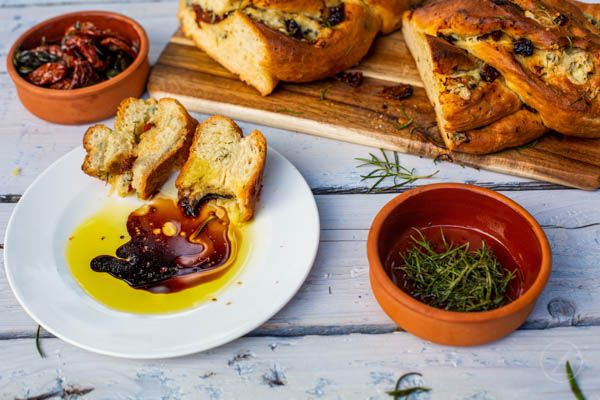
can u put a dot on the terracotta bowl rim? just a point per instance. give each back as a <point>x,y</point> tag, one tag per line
<point>89,90</point>
<point>401,298</point>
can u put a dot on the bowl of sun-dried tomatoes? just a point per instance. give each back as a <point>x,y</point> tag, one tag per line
<point>76,68</point>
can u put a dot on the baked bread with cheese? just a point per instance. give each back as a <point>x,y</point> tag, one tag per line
<point>150,139</point>
<point>267,41</point>
<point>224,167</point>
<point>502,72</point>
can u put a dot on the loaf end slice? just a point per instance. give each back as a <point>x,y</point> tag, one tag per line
<point>225,167</point>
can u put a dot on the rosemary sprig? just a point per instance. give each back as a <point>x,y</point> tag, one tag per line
<point>573,383</point>
<point>455,279</point>
<point>201,228</point>
<point>408,120</point>
<point>37,342</point>
<point>398,393</point>
<point>323,92</point>
<point>387,169</point>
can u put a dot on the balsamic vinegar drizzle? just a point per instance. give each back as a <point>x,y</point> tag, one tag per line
<point>167,246</point>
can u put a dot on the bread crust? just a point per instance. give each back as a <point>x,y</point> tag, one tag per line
<point>564,103</point>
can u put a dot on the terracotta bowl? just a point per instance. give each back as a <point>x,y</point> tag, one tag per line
<point>500,221</point>
<point>88,104</point>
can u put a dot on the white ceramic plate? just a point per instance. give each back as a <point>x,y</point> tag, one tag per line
<point>283,251</point>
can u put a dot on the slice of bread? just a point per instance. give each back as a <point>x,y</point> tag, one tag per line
<point>149,139</point>
<point>225,167</point>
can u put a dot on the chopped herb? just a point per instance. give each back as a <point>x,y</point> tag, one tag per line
<point>398,393</point>
<point>387,169</point>
<point>573,383</point>
<point>37,342</point>
<point>201,228</point>
<point>404,125</point>
<point>526,146</point>
<point>323,92</point>
<point>500,17</point>
<point>283,110</point>
<point>348,51</point>
<point>455,278</point>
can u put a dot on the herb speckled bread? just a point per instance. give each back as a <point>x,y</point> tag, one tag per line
<point>267,41</point>
<point>501,73</point>
<point>225,167</point>
<point>149,139</point>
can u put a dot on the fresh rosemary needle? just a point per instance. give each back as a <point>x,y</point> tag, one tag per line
<point>37,342</point>
<point>573,383</point>
<point>387,169</point>
<point>399,393</point>
<point>455,278</point>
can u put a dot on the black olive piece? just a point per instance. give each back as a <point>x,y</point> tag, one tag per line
<point>489,73</point>
<point>293,29</point>
<point>499,2</point>
<point>561,20</point>
<point>336,15</point>
<point>523,47</point>
<point>450,39</point>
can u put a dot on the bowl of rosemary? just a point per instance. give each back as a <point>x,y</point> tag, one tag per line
<point>76,68</point>
<point>457,264</point>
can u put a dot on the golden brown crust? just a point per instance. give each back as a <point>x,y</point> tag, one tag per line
<point>300,61</point>
<point>253,188</point>
<point>390,12</point>
<point>560,79</point>
<point>514,130</point>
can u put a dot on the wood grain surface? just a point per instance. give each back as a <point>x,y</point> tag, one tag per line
<point>336,110</point>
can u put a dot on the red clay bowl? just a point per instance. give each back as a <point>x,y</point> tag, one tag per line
<point>504,224</point>
<point>88,104</point>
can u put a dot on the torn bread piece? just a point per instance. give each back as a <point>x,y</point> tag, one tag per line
<point>150,138</point>
<point>224,167</point>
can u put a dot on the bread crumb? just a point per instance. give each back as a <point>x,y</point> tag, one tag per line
<point>16,171</point>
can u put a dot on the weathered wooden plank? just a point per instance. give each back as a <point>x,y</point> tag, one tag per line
<point>526,364</point>
<point>571,220</point>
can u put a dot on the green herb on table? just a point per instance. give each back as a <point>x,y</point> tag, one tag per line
<point>408,120</point>
<point>323,92</point>
<point>284,110</point>
<point>455,279</point>
<point>573,383</point>
<point>526,146</point>
<point>388,169</point>
<point>37,342</point>
<point>400,393</point>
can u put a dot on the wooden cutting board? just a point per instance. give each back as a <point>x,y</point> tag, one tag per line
<point>362,115</point>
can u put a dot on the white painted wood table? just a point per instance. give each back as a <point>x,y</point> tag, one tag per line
<point>332,340</point>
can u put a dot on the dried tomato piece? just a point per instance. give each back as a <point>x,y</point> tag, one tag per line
<point>47,74</point>
<point>351,78</point>
<point>63,84</point>
<point>489,73</point>
<point>113,44</point>
<point>83,74</point>
<point>398,92</point>
<point>85,47</point>
<point>561,20</point>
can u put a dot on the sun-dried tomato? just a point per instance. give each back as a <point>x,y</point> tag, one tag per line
<point>398,92</point>
<point>86,55</point>
<point>351,78</point>
<point>489,73</point>
<point>47,74</point>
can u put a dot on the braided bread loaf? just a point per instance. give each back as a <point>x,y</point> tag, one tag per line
<point>267,41</point>
<point>501,73</point>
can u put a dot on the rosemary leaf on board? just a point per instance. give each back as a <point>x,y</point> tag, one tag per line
<point>387,169</point>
